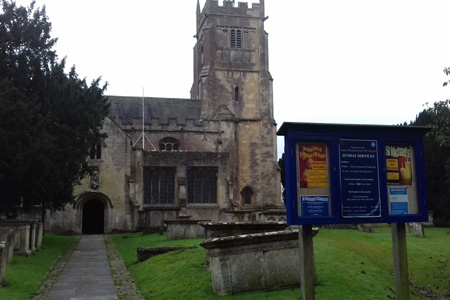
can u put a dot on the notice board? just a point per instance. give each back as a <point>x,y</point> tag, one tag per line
<point>341,173</point>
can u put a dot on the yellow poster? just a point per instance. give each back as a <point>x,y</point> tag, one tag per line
<point>398,164</point>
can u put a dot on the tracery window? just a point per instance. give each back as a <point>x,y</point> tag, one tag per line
<point>202,185</point>
<point>159,185</point>
<point>169,144</point>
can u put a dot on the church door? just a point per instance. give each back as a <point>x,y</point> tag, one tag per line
<point>93,217</point>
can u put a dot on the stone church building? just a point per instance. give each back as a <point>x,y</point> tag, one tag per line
<point>210,157</point>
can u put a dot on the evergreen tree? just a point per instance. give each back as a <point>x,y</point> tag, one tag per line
<point>437,160</point>
<point>48,119</point>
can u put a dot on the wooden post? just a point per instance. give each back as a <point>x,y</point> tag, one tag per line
<point>306,262</point>
<point>400,261</point>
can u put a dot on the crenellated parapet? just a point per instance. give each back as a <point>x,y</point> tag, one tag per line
<point>172,125</point>
<point>229,7</point>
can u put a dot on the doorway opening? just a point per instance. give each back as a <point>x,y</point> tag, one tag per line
<point>93,217</point>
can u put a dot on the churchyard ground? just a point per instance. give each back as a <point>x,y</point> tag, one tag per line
<point>350,265</point>
<point>24,275</point>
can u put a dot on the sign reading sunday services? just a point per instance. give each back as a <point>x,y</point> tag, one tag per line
<point>359,179</point>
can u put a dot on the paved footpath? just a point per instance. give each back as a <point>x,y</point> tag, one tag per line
<point>87,274</point>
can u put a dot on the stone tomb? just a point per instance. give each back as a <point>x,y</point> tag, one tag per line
<point>144,253</point>
<point>185,229</point>
<point>28,235</point>
<point>221,229</point>
<point>259,261</point>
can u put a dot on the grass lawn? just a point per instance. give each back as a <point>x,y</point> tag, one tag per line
<point>24,273</point>
<point>350,265</point>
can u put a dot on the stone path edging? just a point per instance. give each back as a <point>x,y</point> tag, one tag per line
<point>126,287</point>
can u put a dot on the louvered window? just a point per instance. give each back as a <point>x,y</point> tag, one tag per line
<point>236,38</point>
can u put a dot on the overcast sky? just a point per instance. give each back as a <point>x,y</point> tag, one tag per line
<point>347,61</point>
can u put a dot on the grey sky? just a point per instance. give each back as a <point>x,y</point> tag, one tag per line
<point>349,61</point>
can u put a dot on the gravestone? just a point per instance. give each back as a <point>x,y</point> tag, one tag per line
<point>418,230</point>
<point>365,228</point>
<point>10,240</point>
<point>3,259</point>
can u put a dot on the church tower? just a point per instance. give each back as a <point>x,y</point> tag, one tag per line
<point>234,85</point>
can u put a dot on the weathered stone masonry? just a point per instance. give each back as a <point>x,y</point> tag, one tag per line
<point>210,157</point>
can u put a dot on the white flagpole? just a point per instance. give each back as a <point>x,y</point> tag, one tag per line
<point>143,121</point>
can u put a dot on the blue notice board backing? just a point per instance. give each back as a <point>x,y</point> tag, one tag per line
<point>344,174</point>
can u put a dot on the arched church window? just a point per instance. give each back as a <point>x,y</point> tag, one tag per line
<point>201,55</point>
<point>169,144</point>
<point>236,94</point>
<point>247,195</point>
<point>95,152</point>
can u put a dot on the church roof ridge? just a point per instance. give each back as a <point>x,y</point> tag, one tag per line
<point>128,108</point>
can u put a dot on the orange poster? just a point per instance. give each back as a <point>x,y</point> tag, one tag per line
<point>313,165</point>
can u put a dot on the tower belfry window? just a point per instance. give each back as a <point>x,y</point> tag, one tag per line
<point>236,94</point>
<point>236,38</point>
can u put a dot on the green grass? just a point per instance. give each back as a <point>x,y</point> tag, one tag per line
<point>25,273</point>
<point>350,265</point>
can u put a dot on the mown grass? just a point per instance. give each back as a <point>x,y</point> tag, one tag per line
<point>350,265</point>
<point>24,274</point>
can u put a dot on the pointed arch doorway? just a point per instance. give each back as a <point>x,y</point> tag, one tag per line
<point>93,220</point>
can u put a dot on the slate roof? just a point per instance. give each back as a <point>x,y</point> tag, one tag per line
<point>129,108</point>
